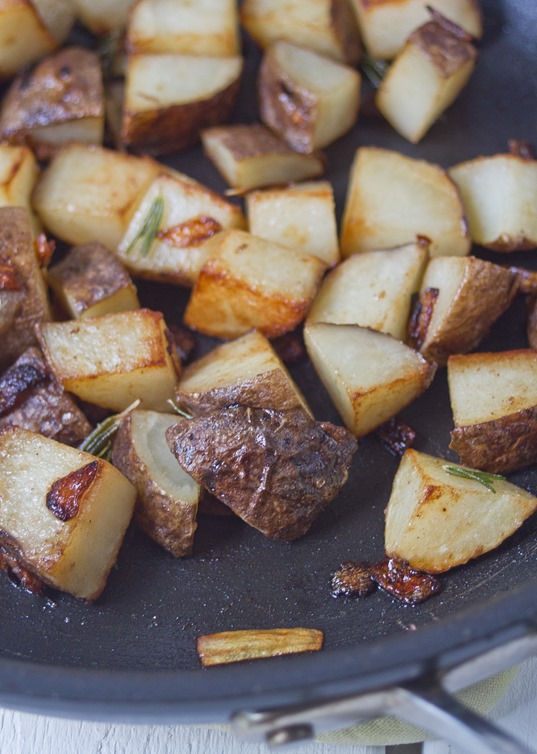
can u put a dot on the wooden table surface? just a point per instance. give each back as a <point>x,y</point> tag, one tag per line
<point>22,733</point>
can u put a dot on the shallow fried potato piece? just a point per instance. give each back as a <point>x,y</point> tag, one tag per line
<point>191,215</point>
<point>31,398</point>
<point>88,193</point>
<point>301,217</point>
<point>167,498</point>
<point>60,101</point>
<point>325,26</point>
<point>31,30</point>
<point>249,282</point>
<point>373,289</point>
<point>306,98</point>
<point>251,157</point>
<point>436,520</point>
<point>425,78</point>
<point>23,294</point>
<point>90,281</point>
<point>255,644</point>
<point>277,470</point>
<point>114,359</point>
<point>169,99</point>
<point>385,25</point>
<point>494,403</point>
<point>63,513</point>
<point>102,16</point>
<point>246,371</point>
<point>392,198</point>
<point>369,375</point>
<point>472,294</point>
<point>208,27</point>
<point>499,194</point>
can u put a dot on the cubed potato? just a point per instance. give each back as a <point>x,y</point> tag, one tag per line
<point>251,157</point>
<point>167,497</point>
<point>191,215</point>
<point>385,25</point>
<point>31,398</point>
<point>207,27</point>
<point>88,193</point>
<point>18,176</point>
<point>499,194</point>
<point>392,198</point>
<point>370,376</point>
<point>25,33</point>
<point>91,281</point>
<point>102,16</point>
<point>373,289</point>
<point>326,26</point>
<point>301,217</point>
<point>23,294</point>
<point>425,78</point>
<point>251,283</point>
<point>169,99</point>
<point>246,371</point>
<point>494,402</point>
<point>60,101</point>
<point>63,513</point>
<point>472,294</point>
<point>436,520</point>
<point>114,359</point>
<point>307,99</point>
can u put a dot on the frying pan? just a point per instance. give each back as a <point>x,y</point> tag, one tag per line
<point>131,656</point>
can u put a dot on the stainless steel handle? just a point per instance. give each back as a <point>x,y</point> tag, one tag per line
<point>427,702</point>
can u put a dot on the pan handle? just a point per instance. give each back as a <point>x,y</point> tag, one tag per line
<point>426,701</point>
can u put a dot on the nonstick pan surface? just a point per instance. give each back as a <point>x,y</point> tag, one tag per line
<point>132,654</point>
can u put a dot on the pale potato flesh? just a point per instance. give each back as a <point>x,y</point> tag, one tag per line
<point>102,16</point>
<point>392,198</point>
<point>250,283</point>
<point>373,289</point>
<point>57,15</point>
<point>437,521</point>
<point>24,37</point>
<point>75,555</point>
<point>184,200</point>
<point>370,376</point>
<point>18,175</point>
<point>385,25</point>
<point>88,193</point>
<point>114,359</point>
<point>206,27</point>
<point>499,196</point>
<point>300,217</point>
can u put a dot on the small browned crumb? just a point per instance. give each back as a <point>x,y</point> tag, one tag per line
<point>353,579</point>
<point>190,233</point>
<point>290,348</point>
<point>44,249</point>
<point>396,436</point>
<point>65,495</point>
<point>522,149</point>
<point>420,317</point>
<point>237,646</point>
<point>400,580</point>
<point>184,341</point>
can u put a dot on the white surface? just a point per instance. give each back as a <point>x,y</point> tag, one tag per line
<point>31,734</point>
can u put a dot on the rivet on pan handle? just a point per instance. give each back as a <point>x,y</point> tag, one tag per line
<point>426,702</point>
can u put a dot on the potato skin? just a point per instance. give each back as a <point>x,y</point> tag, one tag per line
<point>164,130</point>
<point>277,470</point>
<point>498,446</point>
<point>446,50</point>
<point>168,523</point>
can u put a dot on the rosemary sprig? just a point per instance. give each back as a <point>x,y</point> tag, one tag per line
<point>99,442</point>
<point>374,70</point>
<point>179,410</point>
<point>483,477</point>
<point>149,228</point>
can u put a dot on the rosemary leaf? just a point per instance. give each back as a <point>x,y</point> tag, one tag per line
<point>99,442</point>
<point>483,477</point>
<point>149,229</point>
<point>179,410</point>
<point>374,70</point>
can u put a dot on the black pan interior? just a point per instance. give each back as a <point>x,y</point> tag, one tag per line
<point>154,606</point>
